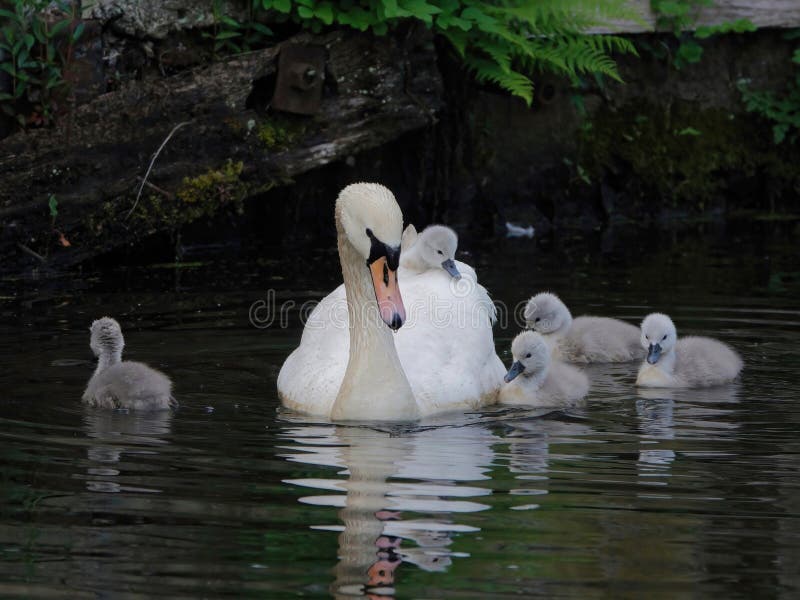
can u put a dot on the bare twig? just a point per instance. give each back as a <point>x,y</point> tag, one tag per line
<point>32,253</point>
<point>155,188</point>
<point>152,162</point>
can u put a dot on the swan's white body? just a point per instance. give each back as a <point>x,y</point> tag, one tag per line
<point>445,349</point>
<point>689,362</point>
<point>535,379</point>
<point>128,384</point>
<point>583,339</point>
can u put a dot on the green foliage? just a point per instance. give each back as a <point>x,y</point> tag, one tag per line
<point>501,41</point>
<point>36,50</point>
<point>737,26</point>
<point>231,36</point>
<point>52,203</point>
<point>679,16</point>
<point>782,109</point>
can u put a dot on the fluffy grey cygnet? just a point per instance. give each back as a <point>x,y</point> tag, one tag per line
<point>689,362</point>
<point>434,248</point>
<point>535,379</point>
<point>583,339</point>
<point>118,384</point>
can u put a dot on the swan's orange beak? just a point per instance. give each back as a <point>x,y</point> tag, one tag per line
<point>387,293</point>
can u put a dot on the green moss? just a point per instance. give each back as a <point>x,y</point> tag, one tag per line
<point>199,196</point>
<point>211,185</point>
<point>278,132</point>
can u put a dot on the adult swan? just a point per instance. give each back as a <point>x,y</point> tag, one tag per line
<point>449,365</point>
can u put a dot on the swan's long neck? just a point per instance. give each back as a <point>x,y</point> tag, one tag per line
<point>106,359</point>
<point>374,386</point>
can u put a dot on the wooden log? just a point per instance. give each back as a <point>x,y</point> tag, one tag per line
<point>227,146</point>
<point>763,13</point>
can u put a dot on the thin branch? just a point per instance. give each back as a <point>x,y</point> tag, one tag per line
<point>155,188</point>
<point>152,162</point>
<point>32,253</point>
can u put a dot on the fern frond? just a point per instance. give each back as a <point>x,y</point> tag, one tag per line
<point>512,81</point>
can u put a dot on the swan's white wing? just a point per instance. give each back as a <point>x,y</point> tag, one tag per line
<point>310,378</point>
<point>446,346</point>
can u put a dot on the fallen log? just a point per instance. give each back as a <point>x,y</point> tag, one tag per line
<point>95,182</point>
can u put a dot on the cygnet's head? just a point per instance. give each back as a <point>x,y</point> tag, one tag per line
<point>546,313</point>
<point>658,336</point>
<point>437,247</point>
<point>106,337</point>
<point>531,356</point>
<point>368,216</point>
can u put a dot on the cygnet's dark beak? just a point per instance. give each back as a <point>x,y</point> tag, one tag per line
<point>515,370</point>
<point>450,266</point>
<point>653,353</point>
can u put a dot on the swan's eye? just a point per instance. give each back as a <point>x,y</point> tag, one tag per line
<point>663,338</point>
<point>440,252</point>
<point>528,355</point>
<point>537,319</point>
<point>647,338</point>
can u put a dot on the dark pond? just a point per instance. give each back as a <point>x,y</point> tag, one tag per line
<point>683,494</point>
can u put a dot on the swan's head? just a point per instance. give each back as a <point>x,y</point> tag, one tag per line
<point>437,247</point>
<point>106,337</point>
<point>531,355</point>
<point>368,216</point>
<point>546,313</point>
<point>658,336</point>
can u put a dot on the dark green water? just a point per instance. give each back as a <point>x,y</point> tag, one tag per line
<point>664,495</point>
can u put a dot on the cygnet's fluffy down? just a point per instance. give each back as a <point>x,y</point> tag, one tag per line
<point>432,249</point>
<point>535,379</point>
<point>689,362</point>
<point>117,384</point>
<point>584,339</point>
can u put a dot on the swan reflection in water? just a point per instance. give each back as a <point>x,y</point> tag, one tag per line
<point>115,434</point>
<point>696,412</point>
<point>424,471</point>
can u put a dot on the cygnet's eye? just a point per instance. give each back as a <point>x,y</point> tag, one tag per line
<point>528,355</point>
<point>663,338</point>
<point>647,338</point>
<point>440,252</point>
<point>537,319</point>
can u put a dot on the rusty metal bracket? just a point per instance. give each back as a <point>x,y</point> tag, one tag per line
<point>301,74</point>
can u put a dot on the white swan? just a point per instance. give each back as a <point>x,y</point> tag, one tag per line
<point>584,339</point>
<point>118,384</point>
<point>442,359</point>
<point>683,363</point>
<point>534,379</point>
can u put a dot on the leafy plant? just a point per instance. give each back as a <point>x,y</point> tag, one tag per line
<point>679,16</point>
<point>782,109</point>
<point>231,36</point>
<point>501,41</point>
<point>35,51</point>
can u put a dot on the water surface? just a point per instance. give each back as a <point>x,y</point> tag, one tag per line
<point>657,494</point>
